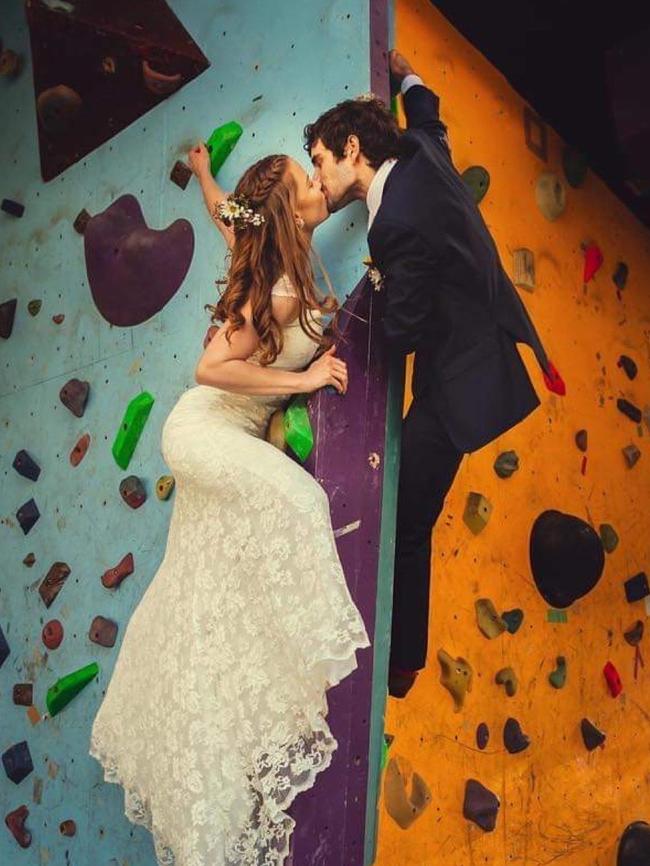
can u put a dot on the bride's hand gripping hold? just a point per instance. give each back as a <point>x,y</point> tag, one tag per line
<point>326,370</point>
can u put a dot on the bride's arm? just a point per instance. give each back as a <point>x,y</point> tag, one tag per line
<point>213,194</point>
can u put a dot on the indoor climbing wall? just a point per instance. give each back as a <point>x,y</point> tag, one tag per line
<point>91,364</point>
<point>559,781</point>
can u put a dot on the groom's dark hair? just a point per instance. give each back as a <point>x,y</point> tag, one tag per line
<point>367,118</point>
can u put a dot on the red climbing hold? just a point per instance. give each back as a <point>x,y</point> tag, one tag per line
<point>554,381</point>
<point>613,680</point>
<point>16,822</point>
<point>593,261</point>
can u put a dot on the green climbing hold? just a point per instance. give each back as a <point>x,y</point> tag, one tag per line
<point>506,464</point>
<point>221,144</point>
<point>487,619</point>
<point>513,619</point>
<point>298,433</point>
<point>608,537</point>
<point>131,427</point>
<point>508,678</point>
<point>557,678</point>
<point>477,512</point>
<point>575,167</point>
<point>477,180</point>
<point>554,615</point>
<point>63,691</point>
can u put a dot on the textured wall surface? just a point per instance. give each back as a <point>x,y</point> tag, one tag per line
<point>300,59</point>
<point>559,803</point>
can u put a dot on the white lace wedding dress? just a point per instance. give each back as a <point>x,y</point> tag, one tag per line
<point>214,718</point>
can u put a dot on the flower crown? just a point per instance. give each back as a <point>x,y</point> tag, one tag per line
<point>236,211</point>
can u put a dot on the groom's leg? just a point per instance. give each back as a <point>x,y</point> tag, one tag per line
<point>428,464</point>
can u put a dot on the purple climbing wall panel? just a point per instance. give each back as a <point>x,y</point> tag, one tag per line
<point>348,460</point>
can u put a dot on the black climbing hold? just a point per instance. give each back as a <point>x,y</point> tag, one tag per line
<point>181,174</point>
<point>14,208</point>
<point>634,845</point>
<point>620,275</point>
<point>513,619</point>
<point>591,736</point>
<point>4,648</point>
<point>628,365</point>
<point>636,588</point>
<point>514,738</point>
<point>609,537</point>
<point>26,466</point>
<point>581,440</point>
<point>574,164</point>
<point>480,806</point>
<point>7,316</point>
<point>482,736</point>
<point>634,635</point>
<point>506,464</point>
<point>27,515</point>
<point>17,762</point>
<point>629,409</point>
<point>566,557</point>
<point>477,180</point>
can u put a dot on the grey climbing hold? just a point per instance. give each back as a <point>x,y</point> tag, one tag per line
<point>506,464</point>
<point>487,619</point>
<point>477,180</point>
<point>608,537</point>
<point>550,195</point>
<point>634,635</point>
<point>508,678</point>
<point>631,454</point>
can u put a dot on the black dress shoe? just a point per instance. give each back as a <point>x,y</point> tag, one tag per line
<point>634,847</point>
<point>400,681</point>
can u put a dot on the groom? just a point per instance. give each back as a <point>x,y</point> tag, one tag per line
<point>445,297</point>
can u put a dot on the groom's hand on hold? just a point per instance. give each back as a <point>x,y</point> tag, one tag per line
<point>399,68</point>
<point>326,371</point>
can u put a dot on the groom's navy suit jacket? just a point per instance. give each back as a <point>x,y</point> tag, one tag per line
<point>445,294</point>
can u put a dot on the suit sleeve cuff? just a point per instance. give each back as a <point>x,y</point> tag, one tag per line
<point>409,81</point>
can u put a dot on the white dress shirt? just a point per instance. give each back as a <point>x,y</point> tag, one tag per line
<point>376,188</point>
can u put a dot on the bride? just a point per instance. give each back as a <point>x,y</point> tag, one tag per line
<point>214,718</point>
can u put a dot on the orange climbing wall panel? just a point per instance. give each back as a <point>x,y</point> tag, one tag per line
<point>559,803</point>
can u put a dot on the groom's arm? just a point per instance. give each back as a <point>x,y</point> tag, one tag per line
<point>422,109</point>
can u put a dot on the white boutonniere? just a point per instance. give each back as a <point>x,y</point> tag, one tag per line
<point>376,278</point>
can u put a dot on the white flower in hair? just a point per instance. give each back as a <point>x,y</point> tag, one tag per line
<point>375,276</point>
<point>236,211</point>
<point>367,97</point>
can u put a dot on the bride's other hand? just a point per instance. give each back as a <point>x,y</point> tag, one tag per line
<point>326,370</point>
<point>199,159</point>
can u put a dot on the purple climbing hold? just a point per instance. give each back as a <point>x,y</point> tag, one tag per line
<point>514,738</point>
<point>17,762</point>
<point>27,515</point>
<point>480,806</point>
<point>482,736</point>
<point>13,208</point>
<point>628,365</point>
<point>74,395</point>
<point>630,410</point>
<point>636,588</point>
<point>26,466</point>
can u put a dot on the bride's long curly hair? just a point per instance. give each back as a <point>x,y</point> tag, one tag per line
<point>261,254</point>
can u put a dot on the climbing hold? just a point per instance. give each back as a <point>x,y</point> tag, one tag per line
<point>524,269</point>
<point>81,221</point>
<point>574,164</point>
<point>628,365</point>
<point>26,466</point>
<point>34,307</point>
<point>131,427</point>
<point>15,821</point>
<point>52,583</point>
<point>513,619</point>
<point>275,430</point>
<point>11,207</point>
<point>477,512</point>
<point>636,587</point>
<point>581,439</point>
<point>221,143</point>
<point>556,616</point>
<point>566,557</point>
<point>113,577</point>
<point>550,195</point>
<point>634,845</point>
<point>68,827</point>
<point>507,677</point>
<point>506,464</point>
<point>52,634</point>
<point>403,807</point>
<point>613,680</point>
<point>487,619</point>
<point>456,676</point>
<point>27,515</point>
<point>4,648</point>
<point>23,694</point>
<point>17,762</point>
<point>514,738</point>
<point>79,451</point>
<point>480,805</point>
<point>164,486</point>
<point>553,381</point>
<point>103,631</point>
<point>29,560</point>
<point>608,537</point>
<point>631,454</point>
<point>74,396</point>
<point>482,736</point>
<point>58,318</point>
<point>7,316</point>
<point>386,742</point>
<point>57,108</point>
<point>64,689</point>
<point>9,63</point>
<point>629,409</point>
<point>557,678</point>
<point>298,432</point>
<point>477,180</point>
<point>620,276</point>
<point>181,174</point>
<point>634,635</point>
<point>593,261</point>
<point>132,491</point>
<point>591,736</point>
<point>535,133</point>
<point>159,83</point>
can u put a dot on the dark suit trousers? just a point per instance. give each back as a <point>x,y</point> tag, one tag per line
<point>428,464</point>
